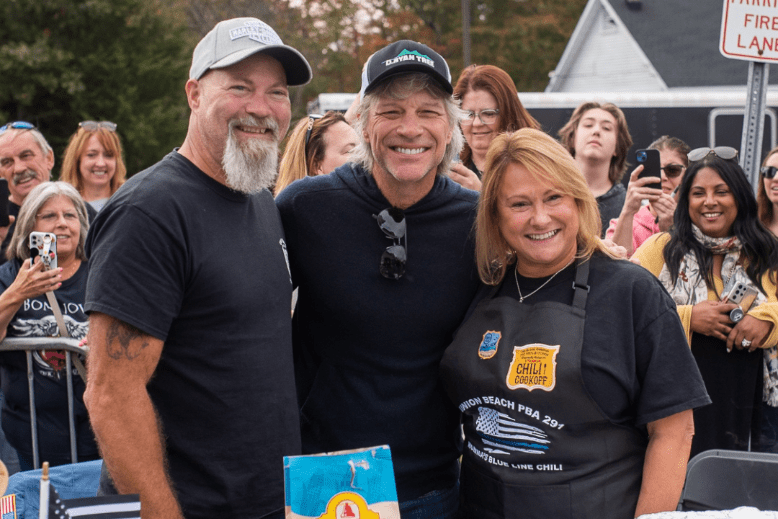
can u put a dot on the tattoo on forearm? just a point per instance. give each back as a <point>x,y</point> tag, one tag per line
<point>121,342</point>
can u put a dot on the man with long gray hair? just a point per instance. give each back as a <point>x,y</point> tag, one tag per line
<point>190,390</point>
<point>380,251</point>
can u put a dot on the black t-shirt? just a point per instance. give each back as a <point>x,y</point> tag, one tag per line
<point>203,268</point>
<point>610,204</point>
<point>636,362</point>
<point>35,319</point>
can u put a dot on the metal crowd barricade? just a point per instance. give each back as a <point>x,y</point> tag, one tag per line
<point>30,344</point>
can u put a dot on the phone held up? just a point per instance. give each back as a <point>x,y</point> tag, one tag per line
<point>44,245</point>
<point>651,163</point>
<point>4,221</point>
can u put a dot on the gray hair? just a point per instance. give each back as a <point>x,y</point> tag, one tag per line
<point>36,134</point>
<point>19,246</point>
<point>402,87</point>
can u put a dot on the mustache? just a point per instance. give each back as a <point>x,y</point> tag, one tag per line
<point>250,121</point>
<point>24,176</point>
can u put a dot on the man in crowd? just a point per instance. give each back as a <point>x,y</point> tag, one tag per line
<point>598,137</point>
<point>382,256</point>
<point>26,160</point>
<point>191,385</point>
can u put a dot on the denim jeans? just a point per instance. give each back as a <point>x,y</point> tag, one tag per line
<point>438,504</point>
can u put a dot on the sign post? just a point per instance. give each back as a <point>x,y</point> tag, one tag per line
<point>749,31</point>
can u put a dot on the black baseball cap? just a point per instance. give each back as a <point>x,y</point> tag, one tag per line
<point>402,57</point>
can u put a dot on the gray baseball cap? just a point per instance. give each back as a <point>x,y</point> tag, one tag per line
<point>231,41</point>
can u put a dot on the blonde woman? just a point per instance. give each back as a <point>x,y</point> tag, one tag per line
<point>560,368</point>
<point>316,146</point>
<point>93,162</point>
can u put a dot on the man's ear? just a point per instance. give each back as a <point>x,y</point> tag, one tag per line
<point>50,162</point>
<point>193,93</point>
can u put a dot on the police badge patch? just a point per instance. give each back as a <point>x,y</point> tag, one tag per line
<point>489,344</point>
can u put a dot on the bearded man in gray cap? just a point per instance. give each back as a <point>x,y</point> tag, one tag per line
<point>191,385</point>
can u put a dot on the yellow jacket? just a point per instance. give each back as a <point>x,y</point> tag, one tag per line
<point>650,256</point>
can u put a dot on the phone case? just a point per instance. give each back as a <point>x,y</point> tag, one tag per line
<point>736,293</point>
<point>44,244</point>
<point>651,163</point>
<point>741,295</point>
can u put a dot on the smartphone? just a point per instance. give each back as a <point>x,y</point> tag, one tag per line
<point>741,295</point>
<point>44,245</point>
<point>4,221</point>
<point>651,163</point>
<point>736,293</point>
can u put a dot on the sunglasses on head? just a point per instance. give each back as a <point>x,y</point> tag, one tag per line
<point>392,222</point>
<point>17,125</point>
<point>768,171</point>
<point>311,119</point>
<point>93,126</point>
<point>722,152</point>
<point>673,170</point>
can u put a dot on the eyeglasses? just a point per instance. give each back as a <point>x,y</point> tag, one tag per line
<point>392,223</point>
<point>487,116</point>
<point>93,126</point>
<point>311,119</point>
<point>722,152</point>
<point>17,125</point>
<point>768,171</point>
<point>673,170</point>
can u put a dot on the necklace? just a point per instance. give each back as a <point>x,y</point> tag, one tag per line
<point>516,276</point>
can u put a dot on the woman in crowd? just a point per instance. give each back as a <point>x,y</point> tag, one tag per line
<point>561,366</point>
<point>316,146</point>
<point>637,222</point>
<point>54,207</point>
<point>93,162</point>
<point>767,194</point>
<point>767,203</point>
<point>491,104</point>
<point>716,243</point>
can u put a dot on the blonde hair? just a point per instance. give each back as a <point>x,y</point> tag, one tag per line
<point>300,160</point>
<point>547,161</point>
<point>71,162</point>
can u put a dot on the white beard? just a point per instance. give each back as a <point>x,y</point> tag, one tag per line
<point>251,166</point>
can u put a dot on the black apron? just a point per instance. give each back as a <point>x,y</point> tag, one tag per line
<point>536,445</point>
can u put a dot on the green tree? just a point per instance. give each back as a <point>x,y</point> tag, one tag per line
<point>524,38</point>
<point>65,61</point>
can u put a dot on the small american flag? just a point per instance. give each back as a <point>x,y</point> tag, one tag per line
<point>8,507</point>
<point>103,507</point>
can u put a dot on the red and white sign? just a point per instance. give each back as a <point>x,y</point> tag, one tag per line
<point>749,30</point>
